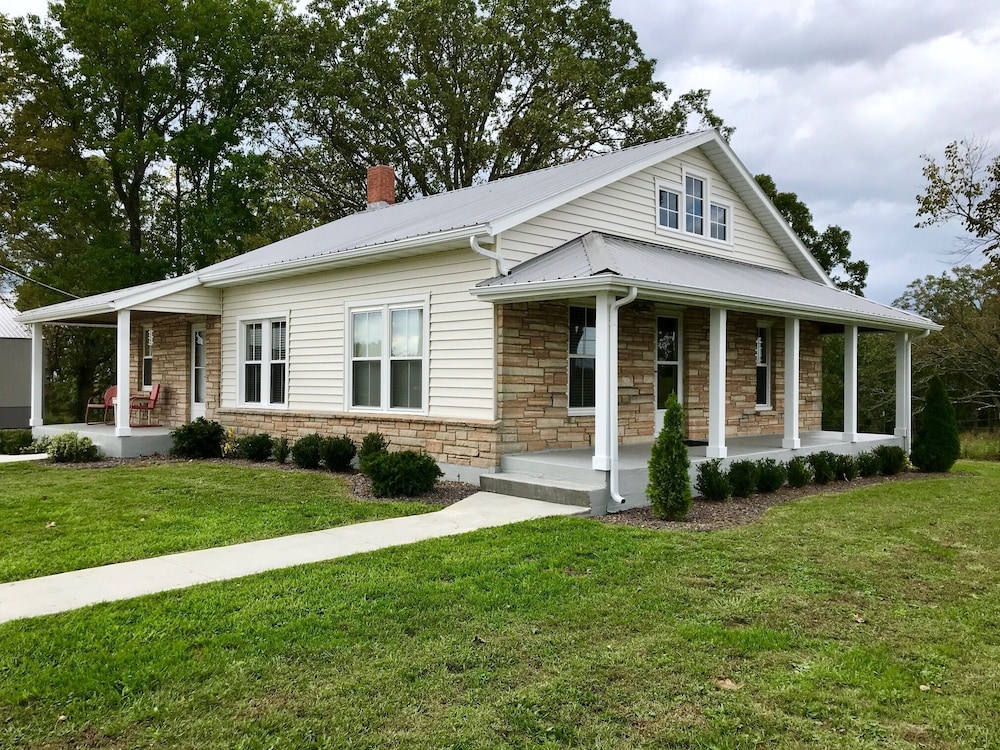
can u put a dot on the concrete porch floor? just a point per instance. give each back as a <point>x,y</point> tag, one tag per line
<point>144,441</point>
<point>575,465</point>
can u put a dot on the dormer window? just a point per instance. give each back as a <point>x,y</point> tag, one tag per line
<point>688,208</point>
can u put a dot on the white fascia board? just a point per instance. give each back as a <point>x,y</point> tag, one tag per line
<point>322,262</point>
<point>681,294</point>
<point>789,234</point>
<point>50,313</point>
<point>670,150</point>
<point>162,289</point>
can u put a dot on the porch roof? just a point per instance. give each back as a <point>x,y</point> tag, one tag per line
<point>597,261</point>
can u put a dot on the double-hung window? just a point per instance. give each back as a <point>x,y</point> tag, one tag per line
<point>147,358</point>
<point>669,209</point>
<point>688,207</point>
<point>694,205</point>
<point>582,357</point>
<point>264,366</point>
<point>388,357</point>
<point>763,367</point>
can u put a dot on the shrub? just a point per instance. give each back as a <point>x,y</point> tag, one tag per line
<point>337,452</point>
<point>374,444</point>
<point>403,474</point>
<point>868,464</point>
<point>800,473</point>
<point>71,448</point>
<point>254,447</point>
<point>711,481</point>
<point>669,489</point>
<point>846,467</point>
<point>935,445</point>
<point>38,445</point>
<point>823,466</point>
<point>771,475</point>
<point>743,477</point>
<point>306,452</point>
<point>198,439</point>
<point>892,459</point>
<point>280,448</point>
<point>13,442</point>
<point>230,444</point>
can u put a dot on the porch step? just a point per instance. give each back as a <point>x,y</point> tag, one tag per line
<point>552,490</point>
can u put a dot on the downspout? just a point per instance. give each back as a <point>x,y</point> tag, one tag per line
<point>616,495</point>
<point>501,264</point>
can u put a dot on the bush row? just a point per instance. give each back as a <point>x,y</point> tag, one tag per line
<point>13,442</point>
<point>400,473</point>
<point>745,477</point>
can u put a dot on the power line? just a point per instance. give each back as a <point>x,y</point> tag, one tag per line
<point>36,281</point>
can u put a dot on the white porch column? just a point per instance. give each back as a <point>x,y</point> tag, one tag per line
<point>851,384</point>
<point>37,374</point>
<point>122,428</point>
<point>602,383</point>
<point>791,439</point>
<point>904,385</point>
<point>717,384</point>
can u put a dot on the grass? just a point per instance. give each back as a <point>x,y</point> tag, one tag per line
<point>858,620</point>
<point>111,515</point>
<point>980,445</point>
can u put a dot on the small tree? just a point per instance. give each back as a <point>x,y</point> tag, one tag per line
<point>669,489</point>
<point>935,445</point>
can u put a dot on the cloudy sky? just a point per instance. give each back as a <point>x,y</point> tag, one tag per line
<point>836,100</point>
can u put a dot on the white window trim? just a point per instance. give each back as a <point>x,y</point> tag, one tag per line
<point>766,325</point>
<point>578,411</point>
<point>386,305</point>
<point>143,385</point>
<point>265,370</point>
<point>709,199</point>
<point>680,357</point>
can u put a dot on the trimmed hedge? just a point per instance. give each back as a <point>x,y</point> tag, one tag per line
<point>823,466</point>
<point>198,439</point>
<point>254,447</point>
<point>800,472</point>
<point>771,475</point>
<point>743,477</point>
<point>892,459</point>
<point>711,481</point>
<point>337,452</point>
<point>13,442</point>
<point>307,451</point>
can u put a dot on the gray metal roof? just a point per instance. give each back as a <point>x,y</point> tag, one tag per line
<point>9,327</point>
<point>687,276</point>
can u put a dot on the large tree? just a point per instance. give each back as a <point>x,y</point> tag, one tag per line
<point>964,188</point>
<point>455,92</point>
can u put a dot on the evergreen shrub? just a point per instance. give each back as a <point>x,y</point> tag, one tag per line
<point>711,481</point>
<point>69,447</point>
<point>13,442</point>
<point>254,447</point>
<point>892,459</point>
<point>743,477</point>
<point>936,446</point>
<point>280,449</point>
<point>306,451</point>
<point>337,452</point>
<point>823,466</point>
<point>846,467</point>
<point>669,489</point>
<point>869,464</point>
<point>373,445</point>
<point>771,475</point>
<point>800,472</point>
<point>198,439</point>
<point>403,474</point>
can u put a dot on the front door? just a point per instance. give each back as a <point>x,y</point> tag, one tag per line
<point>197,372</point>
<point>668,364</point>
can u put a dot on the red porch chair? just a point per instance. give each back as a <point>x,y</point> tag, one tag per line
<point>105,405</point>
<point>144,404</point>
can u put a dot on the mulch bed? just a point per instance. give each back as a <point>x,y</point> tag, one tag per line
<point>707,515</point>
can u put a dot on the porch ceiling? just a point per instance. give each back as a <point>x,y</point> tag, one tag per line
<point>596,262</point>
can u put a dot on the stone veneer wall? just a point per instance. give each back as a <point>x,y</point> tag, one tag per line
<point>172,364</point>
<point>532,374</point>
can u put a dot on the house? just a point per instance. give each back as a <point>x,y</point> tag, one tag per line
<point>542,318</point>
<point>15,375</point>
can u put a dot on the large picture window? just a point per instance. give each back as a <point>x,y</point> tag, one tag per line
<point>264,366</point>
<point>388,357</point>
<point>582,357</point>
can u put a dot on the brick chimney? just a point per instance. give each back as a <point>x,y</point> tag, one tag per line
<point>381,186</point>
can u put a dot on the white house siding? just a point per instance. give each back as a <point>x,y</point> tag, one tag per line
<point>628,208</point>
<point>461,351</point>
<point>194,301</point>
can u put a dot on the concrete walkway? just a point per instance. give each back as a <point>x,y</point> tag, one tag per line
<point>5,459</point>
<point>66,591</point>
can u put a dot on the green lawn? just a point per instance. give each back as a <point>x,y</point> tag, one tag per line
<point>117,514</point>
<point>862,619</point>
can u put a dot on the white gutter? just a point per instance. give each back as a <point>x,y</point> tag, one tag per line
<point>613,385</point>
<point>501,264</point>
